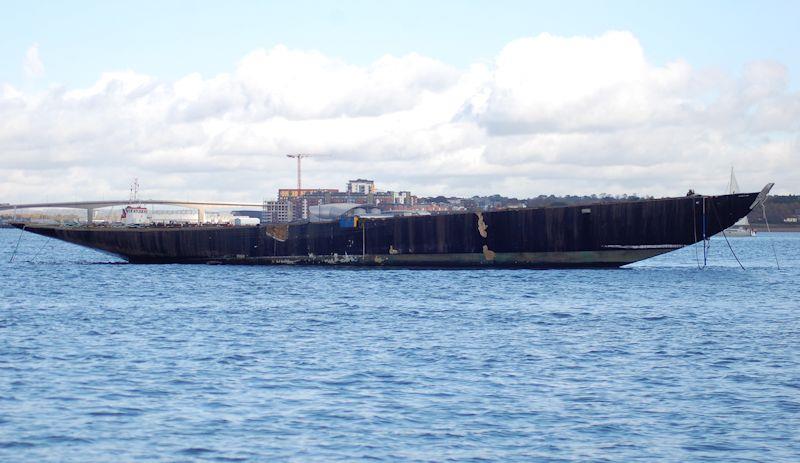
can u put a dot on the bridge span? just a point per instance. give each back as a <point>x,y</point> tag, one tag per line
<point>90,206</point>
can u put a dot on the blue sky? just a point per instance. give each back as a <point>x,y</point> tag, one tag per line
<point>78,40</point>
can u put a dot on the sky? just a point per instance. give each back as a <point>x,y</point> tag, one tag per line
<point>202,100</point>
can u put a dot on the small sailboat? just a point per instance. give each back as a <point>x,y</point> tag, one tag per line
<point>742,227</point>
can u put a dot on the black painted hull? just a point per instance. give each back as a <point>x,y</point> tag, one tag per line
<point>598,235</point>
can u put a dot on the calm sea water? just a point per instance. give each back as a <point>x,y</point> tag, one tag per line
<point>662,361</point>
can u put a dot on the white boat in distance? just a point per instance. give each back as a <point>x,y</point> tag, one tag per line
<point>742,227</point>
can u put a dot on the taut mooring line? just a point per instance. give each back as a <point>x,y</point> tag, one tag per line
<point>46,242</point>
<point>21,231</point>
<point>774,252</point>
<point>706,239</point>
<point>694,230</point>
<point>731,248</point>
<point>719,222</point>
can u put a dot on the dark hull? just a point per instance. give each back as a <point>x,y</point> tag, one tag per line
<point>598,235</point>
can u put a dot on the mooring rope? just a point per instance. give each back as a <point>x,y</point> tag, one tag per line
<point>719,222</point>
<point>694,231</point>
<point>731,248</point>
<point>21,231</point>
<point>774,252</point>
<point>46,242</point>
<point>706,239</point>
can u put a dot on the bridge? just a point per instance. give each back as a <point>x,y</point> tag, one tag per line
<point>90,206</point>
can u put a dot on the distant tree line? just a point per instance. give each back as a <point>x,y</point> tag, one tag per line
<point>778,207</point>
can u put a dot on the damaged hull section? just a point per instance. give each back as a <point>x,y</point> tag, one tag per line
<point>597,235</point>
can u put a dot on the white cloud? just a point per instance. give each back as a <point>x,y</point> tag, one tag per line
<point>547,84</point>
<point>549,115</point>
<point>33,65</point>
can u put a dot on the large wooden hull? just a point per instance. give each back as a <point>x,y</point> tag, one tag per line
<point>597,235</point>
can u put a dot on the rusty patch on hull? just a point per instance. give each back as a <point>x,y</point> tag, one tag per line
<point>481,225</point>
<point>278,232</point>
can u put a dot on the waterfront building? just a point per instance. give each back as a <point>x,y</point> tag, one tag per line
<point>283,210</point>
<point>361,186</point>
<point>359,191</point>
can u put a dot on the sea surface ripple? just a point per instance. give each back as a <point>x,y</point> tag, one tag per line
<point>661,361</point>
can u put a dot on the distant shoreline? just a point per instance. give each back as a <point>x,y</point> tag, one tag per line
<point>778,228</point>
